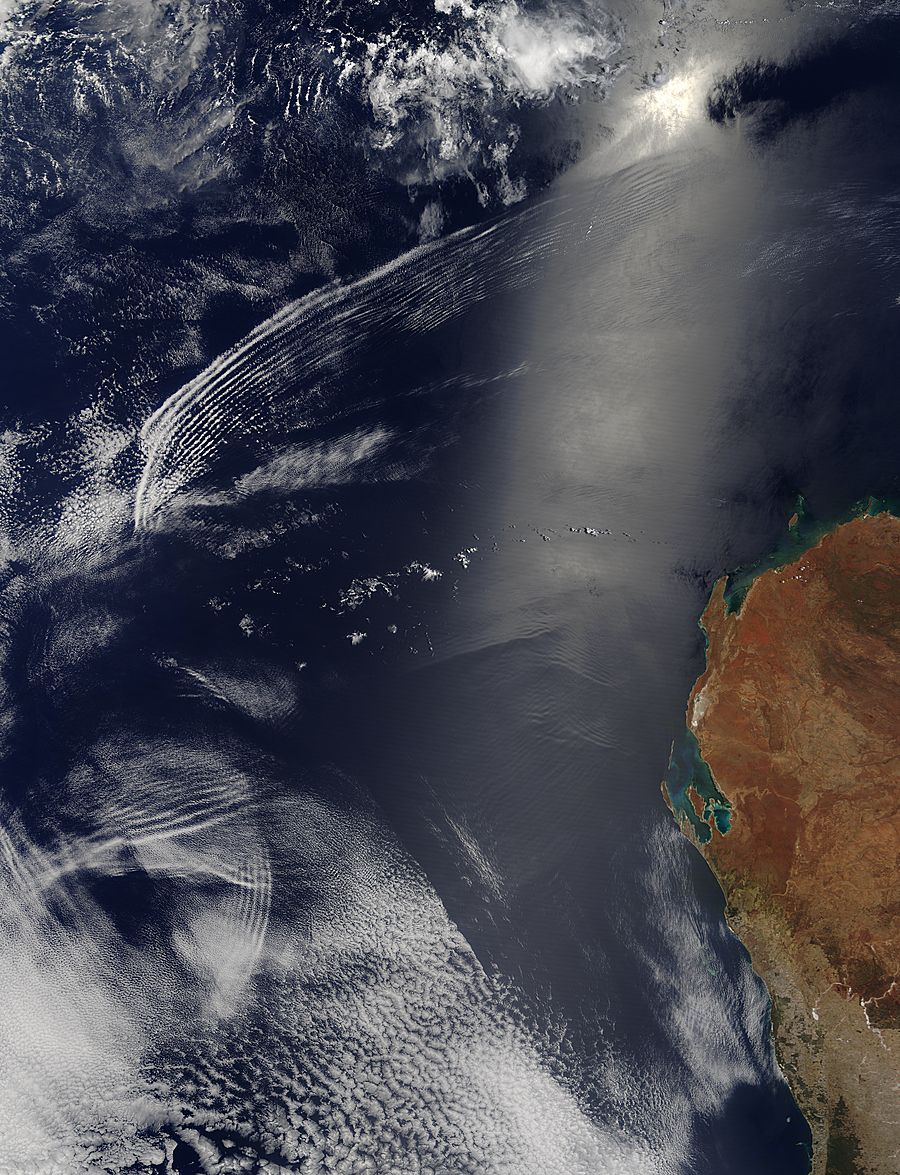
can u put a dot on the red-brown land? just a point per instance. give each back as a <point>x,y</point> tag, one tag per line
<point>798,717</point>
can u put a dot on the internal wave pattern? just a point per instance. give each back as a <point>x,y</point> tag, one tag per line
<point>280,379</point>
<point>216,957</point>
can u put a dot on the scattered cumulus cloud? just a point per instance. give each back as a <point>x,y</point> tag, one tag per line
<point>447,102</point>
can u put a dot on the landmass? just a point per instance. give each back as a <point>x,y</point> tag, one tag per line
<point>787,780</point>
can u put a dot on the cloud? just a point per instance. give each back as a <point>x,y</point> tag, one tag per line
<point>318,464</point>
<point>712,1007</point>
<point>449,101</point>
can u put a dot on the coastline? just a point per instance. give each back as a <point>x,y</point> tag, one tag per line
<point>746,768</point>
<point>804,532</point>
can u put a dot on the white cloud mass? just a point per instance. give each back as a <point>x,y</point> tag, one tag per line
<point>447,101</point>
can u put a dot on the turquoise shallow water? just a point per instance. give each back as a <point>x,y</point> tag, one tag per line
<point>805,532</point>
<point>352,756</point>
<point>688,772</point>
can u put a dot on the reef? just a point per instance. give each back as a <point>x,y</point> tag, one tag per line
<point>787,780</point>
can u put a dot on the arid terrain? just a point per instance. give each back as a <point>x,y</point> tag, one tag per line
<point>797,716</point>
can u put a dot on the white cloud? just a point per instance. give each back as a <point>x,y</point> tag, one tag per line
<point>318,464</point>
<point>448,100</point>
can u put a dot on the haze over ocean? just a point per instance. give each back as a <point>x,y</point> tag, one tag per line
<point>386,388</point>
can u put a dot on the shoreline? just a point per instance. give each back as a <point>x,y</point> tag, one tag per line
<point>789,714</point>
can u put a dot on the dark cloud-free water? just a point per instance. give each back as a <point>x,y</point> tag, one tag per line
<point>342,666</point>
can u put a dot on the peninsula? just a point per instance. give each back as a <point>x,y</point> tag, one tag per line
<point>788,780</point>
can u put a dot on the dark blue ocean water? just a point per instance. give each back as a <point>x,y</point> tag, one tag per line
<point>421,619</point>
<point>678,391</point>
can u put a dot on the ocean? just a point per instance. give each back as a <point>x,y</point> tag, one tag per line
<point>342,674</point>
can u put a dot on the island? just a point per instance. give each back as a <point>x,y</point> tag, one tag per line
<point>788,781</point>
